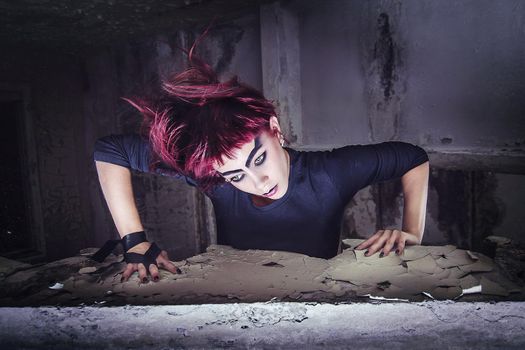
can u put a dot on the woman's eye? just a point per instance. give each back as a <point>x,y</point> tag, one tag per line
<point>237,178</point>
<point>260,159</point>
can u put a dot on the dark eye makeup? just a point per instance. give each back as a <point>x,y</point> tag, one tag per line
<point>237,178</point>
<point>258,161</point>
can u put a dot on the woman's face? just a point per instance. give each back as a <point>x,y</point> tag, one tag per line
<point>260,167</point>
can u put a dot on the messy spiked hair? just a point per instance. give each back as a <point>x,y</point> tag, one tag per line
<point>197,120</point>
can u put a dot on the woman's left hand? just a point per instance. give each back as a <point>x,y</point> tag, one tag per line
<point>385,240</point>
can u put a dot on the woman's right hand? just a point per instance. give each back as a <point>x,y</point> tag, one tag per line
<point>115,181</point>
<point>162,260</point>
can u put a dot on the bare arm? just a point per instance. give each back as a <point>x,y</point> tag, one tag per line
<point>115,182</point>
<point>415,191</point>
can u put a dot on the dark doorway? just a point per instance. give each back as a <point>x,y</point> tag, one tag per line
<point>15,233</point>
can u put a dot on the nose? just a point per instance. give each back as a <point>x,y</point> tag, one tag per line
<point>261,182</point>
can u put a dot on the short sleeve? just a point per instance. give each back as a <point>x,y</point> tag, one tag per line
<point>132,152</point>
<point>352,168</point>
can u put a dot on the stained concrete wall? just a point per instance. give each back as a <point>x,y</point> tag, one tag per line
<point>466,74</point>
<point>423,71</point>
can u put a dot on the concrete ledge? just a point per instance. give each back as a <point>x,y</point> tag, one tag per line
<point>504,161</point>
<point>429,325</point>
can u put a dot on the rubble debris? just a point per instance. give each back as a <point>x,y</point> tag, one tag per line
<point>56,286</point>
<point>8,266</point>
<point>509,256</point>
<point>86,270</point>
<point>223,274</point>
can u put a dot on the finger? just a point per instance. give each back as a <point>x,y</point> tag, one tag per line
<point>365,244</point>
<point>396,234</point>
<point>127,272</point>
<point>154,272</point>
<point>369,241</point>
<point>142,273</point>
<point>379,243</point>
<point>168,265</point>
<point>400,247</point>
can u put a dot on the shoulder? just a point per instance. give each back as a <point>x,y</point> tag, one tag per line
<point>372,152</point>
<point>121,140</point>
<point>336,155</point>
<point>362,159</point>
<point>315,164</point>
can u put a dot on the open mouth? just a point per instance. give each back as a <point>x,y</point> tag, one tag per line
<point>271,192</point>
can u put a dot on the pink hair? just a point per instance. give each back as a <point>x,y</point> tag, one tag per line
<point>197,120</point>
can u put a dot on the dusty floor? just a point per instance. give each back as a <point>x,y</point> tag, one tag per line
<point>226,275</point>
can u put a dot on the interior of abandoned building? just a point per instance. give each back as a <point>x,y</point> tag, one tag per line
<point>448,76</point>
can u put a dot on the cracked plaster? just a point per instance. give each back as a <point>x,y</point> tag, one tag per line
<point>223,274</point>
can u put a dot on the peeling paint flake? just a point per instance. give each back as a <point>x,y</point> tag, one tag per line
<point>224,274</point>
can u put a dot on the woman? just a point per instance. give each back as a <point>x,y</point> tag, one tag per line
<point>225,138</point>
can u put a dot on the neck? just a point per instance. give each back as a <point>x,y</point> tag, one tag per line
<point>259,201</point>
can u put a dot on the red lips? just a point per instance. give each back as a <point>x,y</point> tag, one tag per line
<point>272,192</point>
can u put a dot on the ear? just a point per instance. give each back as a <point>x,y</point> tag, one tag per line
<point>274,125</point>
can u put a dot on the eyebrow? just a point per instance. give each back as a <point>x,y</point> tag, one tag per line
<point>250,157</point>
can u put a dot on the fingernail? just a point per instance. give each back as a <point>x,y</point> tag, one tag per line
<point>381,255</point>
<point>145,280</point>
<point>156,278</point>
<point>366,253</point>
<point>397,252</point>
<point>178,270</point>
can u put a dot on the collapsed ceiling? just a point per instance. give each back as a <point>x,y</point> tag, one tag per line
<point>74,25</point>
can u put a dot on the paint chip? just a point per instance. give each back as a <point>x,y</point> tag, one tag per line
<point>492,288</point>
<point>426,265</point>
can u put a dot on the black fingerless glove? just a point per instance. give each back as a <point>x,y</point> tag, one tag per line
<point>128,242</point>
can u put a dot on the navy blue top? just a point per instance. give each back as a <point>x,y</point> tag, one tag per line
<point>307,219</point>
